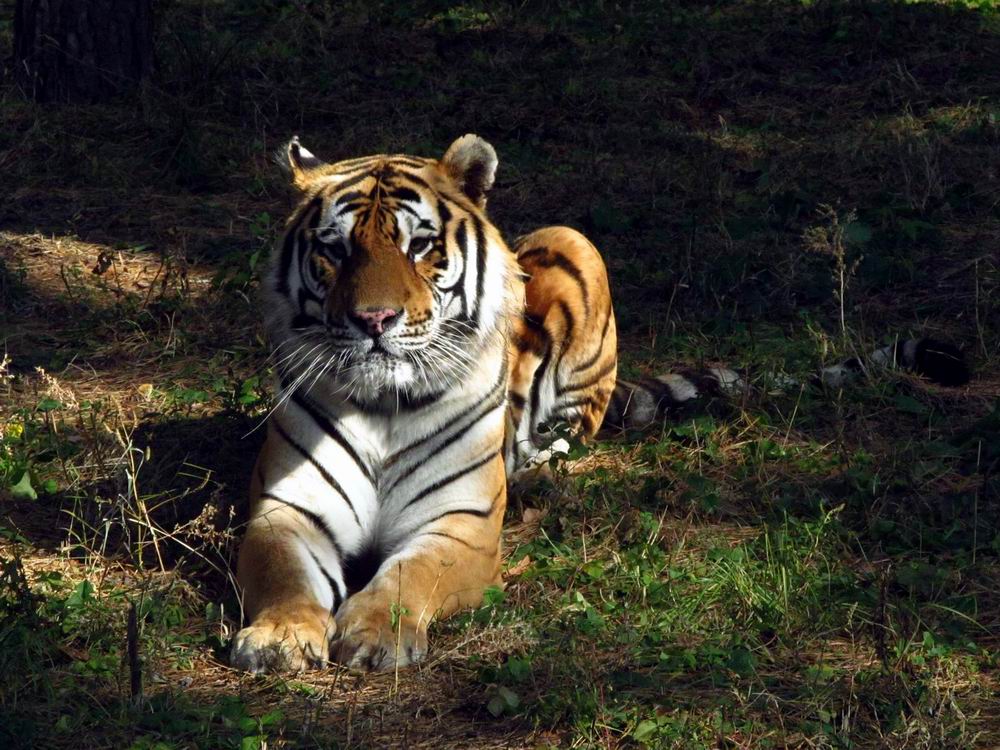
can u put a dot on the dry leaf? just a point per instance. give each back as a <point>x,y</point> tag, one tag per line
<point>519,567</point>
<point>145,390</point>
<point>532,515</point>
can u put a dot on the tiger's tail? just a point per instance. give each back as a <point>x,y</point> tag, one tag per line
<point>636,404</point>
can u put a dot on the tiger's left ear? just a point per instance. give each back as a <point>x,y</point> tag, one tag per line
<point>472,164</point>
<point>301,163</point>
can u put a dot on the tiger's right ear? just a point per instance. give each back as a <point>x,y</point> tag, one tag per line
<point>472,164</point>
<point>301,163</point>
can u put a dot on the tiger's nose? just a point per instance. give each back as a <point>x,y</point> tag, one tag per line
<point>374,321</point>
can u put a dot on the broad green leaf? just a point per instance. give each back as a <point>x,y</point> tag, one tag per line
<point>272,717</point>
<point>23,490</point>
<point>48,404</point>
<point>495,706</point>
<point>645,730</point>
<point>82,594</point>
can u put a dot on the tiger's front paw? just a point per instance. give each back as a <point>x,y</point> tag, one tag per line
<point>290,640</point>
<point>376,635</point>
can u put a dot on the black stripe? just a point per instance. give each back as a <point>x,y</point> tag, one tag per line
<point>313,518</point>
<point>493,405</point>
<point>592,380</point>
<point>406,194</point>
<point>327,476</point>
<point>416,179</point>
<point>570,320</point>
<point>361,566</point>
<point>413,403</point>
<point>445,481</point>
<point>536,384</point>
<point>331,429</point>
<point>302,321</point>
<point>352,206</point>
<point>572,404</point>
<point>542,341</point>
<point>528,254</point>
<point>544,259</point>
<point>899,352</point>
<point>474,547</point>
<point>480,266</point>
<point>350,195</point>
<point>305,295</point>
<point>567,334</point>
<point>408,162</point>
<point>705,382</point>
<point>461,200</point>
<point>348,165</point>
<point>465,512</point>
<point>351,181</point>
<point>289,244</point>
<point>560,261</point>
<point>940,361</point>
<point>853,364</point>
<point>404,402</point>
<point>443,213</point>
<point>410,211</point>
<point>497,386</point>
<point>338,597</point>
<point>462,240</point>
<point>592,360</point>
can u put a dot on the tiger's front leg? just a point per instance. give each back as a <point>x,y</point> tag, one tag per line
<point>290,626</point>
<point>442,568</point>
<point>290,571</point>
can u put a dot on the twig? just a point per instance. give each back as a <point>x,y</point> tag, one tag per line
<point>132,648</point>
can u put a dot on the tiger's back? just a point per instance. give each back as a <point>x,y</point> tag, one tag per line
<point>564,350</point>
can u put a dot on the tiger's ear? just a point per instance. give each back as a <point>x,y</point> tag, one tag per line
<point>472,164</point>
<point>300,162</point>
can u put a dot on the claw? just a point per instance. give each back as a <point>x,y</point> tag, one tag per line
<point>283,644</point>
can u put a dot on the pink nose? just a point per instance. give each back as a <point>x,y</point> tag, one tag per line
<point>375,321</point>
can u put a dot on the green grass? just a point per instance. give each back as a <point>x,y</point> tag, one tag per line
<point>774,185</point>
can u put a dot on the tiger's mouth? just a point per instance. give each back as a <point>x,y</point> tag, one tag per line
<point>380,350</point>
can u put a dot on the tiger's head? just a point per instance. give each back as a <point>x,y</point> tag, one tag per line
<point>389,281</point>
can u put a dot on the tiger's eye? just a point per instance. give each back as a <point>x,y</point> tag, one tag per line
<point>419,245</point>
<point>324,268</point>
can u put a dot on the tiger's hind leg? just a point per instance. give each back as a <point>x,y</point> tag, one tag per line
<point>564,349</point>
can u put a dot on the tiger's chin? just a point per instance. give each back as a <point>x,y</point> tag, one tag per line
<point>379,373</point>
<point>384,381</point>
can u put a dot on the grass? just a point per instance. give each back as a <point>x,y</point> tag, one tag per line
<point>774,186</point>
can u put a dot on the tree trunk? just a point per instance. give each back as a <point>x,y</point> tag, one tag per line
<point>82,50</point>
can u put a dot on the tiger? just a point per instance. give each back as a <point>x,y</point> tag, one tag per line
<point>421,364</point>
<point>417,359</point>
